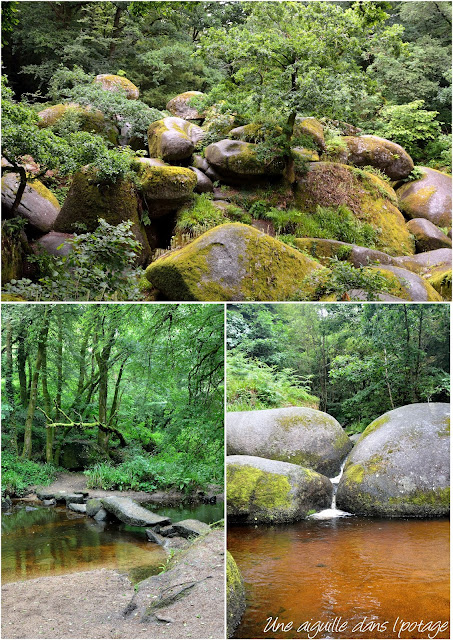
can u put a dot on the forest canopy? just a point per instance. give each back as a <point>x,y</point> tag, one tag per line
<point>354,362</point>
<point>132,394</point>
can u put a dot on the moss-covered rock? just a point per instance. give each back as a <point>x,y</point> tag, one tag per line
<point>298,435</point>
<point>53,243</point>
<point>323,250</point>
<point>38,205</point>
<point>407,284</point>
<point>235,595</point>
<point>387,156</point>
<point>165,188</point>
<point>441,282</point>
<point>428,197</point>
<point>110,82</point>
<point>426,263</point>
<point>231,262</point>
<point>400,467</point>
<point>91,120</point>
<point>87,202</point>
<point>180,106</point>
<point>305,155</point>
<point>313,128</point>
<point>427,236</point>
<point>372,200</point>
<point>261,490</point>
<point>173,139</point>
<point>237,160</point>
<point>204,184</point>
<point>15,249</point>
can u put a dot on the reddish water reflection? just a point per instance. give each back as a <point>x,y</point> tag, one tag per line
<point>354,569</point>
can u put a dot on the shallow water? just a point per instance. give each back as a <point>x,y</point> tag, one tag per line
<point>52,540</point>
<point>364,572</point>
<point>208,513</point>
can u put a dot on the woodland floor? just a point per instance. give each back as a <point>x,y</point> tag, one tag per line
<point>93,604</point>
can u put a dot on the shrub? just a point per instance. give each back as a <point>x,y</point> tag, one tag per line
<point>19,474</point>
<point>101,266</point>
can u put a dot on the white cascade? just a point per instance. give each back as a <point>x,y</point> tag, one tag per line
<point>333,512</point>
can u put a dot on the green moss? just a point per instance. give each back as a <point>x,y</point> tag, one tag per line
<point>376,424</point>
<point>44,192</point>
<point>166,182</point>
<point>441,282</point>
<point>250,488</point>
<point>110,82</point>
<point>235,594</point>
<point>401,290</point>
<point>354,473</point>
<point>446,429</point>
<point>436,498</point>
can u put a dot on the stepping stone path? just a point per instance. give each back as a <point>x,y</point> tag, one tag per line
<point>132,513</point>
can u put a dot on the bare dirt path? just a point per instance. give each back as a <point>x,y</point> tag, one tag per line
<point>73,482</point>
<point>187,601</point>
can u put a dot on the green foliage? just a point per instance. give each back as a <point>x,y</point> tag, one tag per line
<point>409,125</point>
<point>255,385</point>
<point>19,474</point>
<point>341,278</point>
<point>101,266</point>
<point>202,215</point>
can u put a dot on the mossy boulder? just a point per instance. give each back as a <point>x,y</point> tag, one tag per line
<point>428,197</point>
<point>441,282</point>
<point>180,106</point>
<point>165,188</point>
<point>53,243</point>
<point>173,139</point>
<point>407,285</point>
<point>400,467</point>
<point>299,435</point>
<point>261,490</point>
<point>426,263</point>
<point>204,184</point>
<point>235,595</point>
<point>313,128</point>
<point>38,205</point>
<point>93,506</point>
<point>323,250</point>
<point>371,200</point>
<point>231,262</point>
<point>88,201</point>
<point>387,156</point>
<point>111,82</point>
<point>91,120</point>
<point>239,161</point>
<point>427,236</point>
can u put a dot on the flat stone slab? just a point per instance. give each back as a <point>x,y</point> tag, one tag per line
<point>191,528</point>
<point>75,498</point>
<point>154,537</point>
<point>79,508</point>
<point>132,513</point>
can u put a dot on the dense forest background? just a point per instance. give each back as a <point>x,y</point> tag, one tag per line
<point>353,361</point>
<point>133,394</point>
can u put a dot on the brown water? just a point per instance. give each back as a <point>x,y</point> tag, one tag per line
<point>364,572</point>
<point>53,541</point>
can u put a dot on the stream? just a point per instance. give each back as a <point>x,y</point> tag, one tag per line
<point>365,571</point>
<point>43,541</point>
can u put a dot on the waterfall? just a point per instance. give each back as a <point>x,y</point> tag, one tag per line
<point>333,512</point>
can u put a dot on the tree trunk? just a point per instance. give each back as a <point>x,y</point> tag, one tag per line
<point>9,387</point>
<point>289,173</point>
<point>47,403</point>
<point>21,367</point>
<point>42,338</point>
<point>116,32</point>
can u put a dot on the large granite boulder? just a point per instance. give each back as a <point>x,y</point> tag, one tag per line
<point>173,139</point>
<point>179,106</point>
<point>88,201</point>
<point>14,252</point>
<point>165,188</point>
<point>54,243</point>
<point>90,120</point>
<point>377,152</point>
<point>231,262</point>
<point>111,82</point>
<point>428,197</point>
<point>371,200</point>
<point>235,595</point>
<point>204,184</point>
<point>311,127</point>
<point>261,490</point>
<point>434,266</point>
<point>299,435</point>
<point>240,161</point>
<point>400,466</point>
<point>38,205</point>
<point>407,284</point>
<point>427,236</point>
<point>132,513</point>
